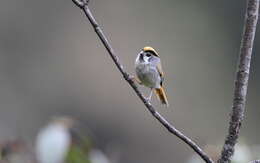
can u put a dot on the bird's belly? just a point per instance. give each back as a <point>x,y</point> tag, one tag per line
<point>148,76</point>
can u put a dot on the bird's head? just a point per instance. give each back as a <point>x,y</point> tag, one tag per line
<point>147,54</point>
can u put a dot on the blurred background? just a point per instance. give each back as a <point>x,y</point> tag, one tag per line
<point>52,63</point>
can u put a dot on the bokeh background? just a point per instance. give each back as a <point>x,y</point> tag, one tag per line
<point>52,63</point>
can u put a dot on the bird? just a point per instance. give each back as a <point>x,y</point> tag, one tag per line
<point>149,73</point>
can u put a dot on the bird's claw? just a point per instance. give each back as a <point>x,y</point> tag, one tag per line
<point>148,100</point>
<point>135,79</point>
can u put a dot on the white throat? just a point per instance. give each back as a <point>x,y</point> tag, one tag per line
<point>145,58</point>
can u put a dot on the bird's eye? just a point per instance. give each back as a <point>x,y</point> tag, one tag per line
<point>148,55</point>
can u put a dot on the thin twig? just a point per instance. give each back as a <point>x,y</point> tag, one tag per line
<point>241,81</point>
<point>83,5</point>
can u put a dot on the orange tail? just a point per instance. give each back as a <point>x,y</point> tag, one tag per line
<point>162,96</point>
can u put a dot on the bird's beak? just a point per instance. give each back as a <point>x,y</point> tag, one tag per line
<point>141,56</point>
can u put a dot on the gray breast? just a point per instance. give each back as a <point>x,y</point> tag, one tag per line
<point>148,75</point>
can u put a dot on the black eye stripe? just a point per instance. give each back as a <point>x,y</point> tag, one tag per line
<point>151,52</point>
<point>148,54</point>
<point>141,57</point>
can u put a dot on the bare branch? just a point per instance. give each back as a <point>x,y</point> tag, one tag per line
<point>131,82</point>
<point>241,81</point>
<point>80,3</point>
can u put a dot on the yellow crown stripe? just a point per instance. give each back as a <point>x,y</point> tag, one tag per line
<point>148,48</point>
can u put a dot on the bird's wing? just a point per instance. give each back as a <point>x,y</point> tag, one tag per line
<point>159,69</point>
<point>156,61</point>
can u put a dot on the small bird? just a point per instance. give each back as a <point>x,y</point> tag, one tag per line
<point>149,73</point>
